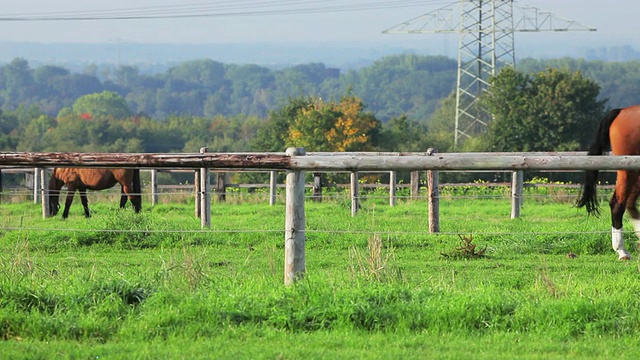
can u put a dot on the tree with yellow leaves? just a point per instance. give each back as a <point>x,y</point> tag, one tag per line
<point>333,126</point>
<point>354,128</point>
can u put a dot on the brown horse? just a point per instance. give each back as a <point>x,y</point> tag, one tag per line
<point>620,130</point>
<point>93,179</point>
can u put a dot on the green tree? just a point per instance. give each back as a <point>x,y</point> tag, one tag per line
<point>273,134</point>
<point>551,111</point>
<point>106,103</point>
<point>441,125</point>
<point>8,131</point>
<point>16,82</point>
<point>157,136</point>
<point>413,85</point>
<point>37,135</point>
<point>403,134</point>
<point>250,87</point>
<point>207,72</point>
<point>310,126</point>
<point>42,74</point>
<point>65,88</point>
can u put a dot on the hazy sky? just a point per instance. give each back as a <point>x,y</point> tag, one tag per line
<point>616,20</point>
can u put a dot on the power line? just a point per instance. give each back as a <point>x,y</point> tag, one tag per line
<point>216,9</point>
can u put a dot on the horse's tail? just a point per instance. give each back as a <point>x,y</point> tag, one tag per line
<point>598,147</point>
<point>137,190</point>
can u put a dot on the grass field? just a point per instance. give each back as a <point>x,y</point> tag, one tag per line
<point>378,286</point>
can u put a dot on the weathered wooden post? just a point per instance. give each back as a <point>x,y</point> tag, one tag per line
<point>154,187</point>
<point>517,178</point>
<point>36,185</point>
<point>354,193</point>
<point>317,187</point>
<point>196,189</point>
<point>433,179</point>
<point>294,238</point>
<point>221,187</point>
<point>392,188</point>
<point>273,178</point>
<point>44,191</point>
<point>415,184</point>
<point>205,196</point>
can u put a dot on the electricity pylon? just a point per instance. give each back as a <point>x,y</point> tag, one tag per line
<point>486,43</point>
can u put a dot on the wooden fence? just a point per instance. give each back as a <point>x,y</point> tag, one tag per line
<point>222,184</point>
<point>295,162</point>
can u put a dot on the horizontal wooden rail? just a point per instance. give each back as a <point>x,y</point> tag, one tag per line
<point>464,162</point>
<point>147,160</point>
<point>335,162</point>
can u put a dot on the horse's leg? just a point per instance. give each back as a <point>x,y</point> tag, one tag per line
<point>128,190</point>
<point>123,197</point>
<point>633,210</point>
<point>85,203</point>
<point>625,183</point>
<point>136,200</point>
<point>71,191</point>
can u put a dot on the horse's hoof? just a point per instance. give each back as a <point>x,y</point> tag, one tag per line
<point>625,258</point>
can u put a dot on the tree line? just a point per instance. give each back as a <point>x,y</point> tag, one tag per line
<point>208,88</point>
<point>399,103</point>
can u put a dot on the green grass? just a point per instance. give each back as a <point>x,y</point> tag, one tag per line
<point>153,285</point>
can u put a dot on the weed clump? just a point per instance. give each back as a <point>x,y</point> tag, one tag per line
<point>377,263</point>
<point>466,250</point>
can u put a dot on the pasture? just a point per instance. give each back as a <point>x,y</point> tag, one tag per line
<point>153,285</point>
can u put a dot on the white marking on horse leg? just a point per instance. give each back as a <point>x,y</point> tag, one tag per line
<point>617,242</point>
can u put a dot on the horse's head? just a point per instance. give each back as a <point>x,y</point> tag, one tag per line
<point>55,185</point>
<point>54,206</point>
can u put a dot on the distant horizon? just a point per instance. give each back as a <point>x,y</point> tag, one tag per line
<point>332,54</point>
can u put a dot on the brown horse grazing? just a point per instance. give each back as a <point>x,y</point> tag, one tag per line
<point>620,130</point>
<point>93,179</point>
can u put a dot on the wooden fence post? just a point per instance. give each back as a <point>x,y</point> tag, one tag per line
<point>154,187</point>
<point>221,187</point>
<point>36,185</point>
<point>355,189</point>
<point>273,177</point>
<point>196,188</point>
<point>392,188</point>
<point>205,197</point>
<point>317,187</point>
<point>294,238</point>
<point>44,191</point>
<point>433,179</point>
<point>517,178</point>
<point>415,184</point>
